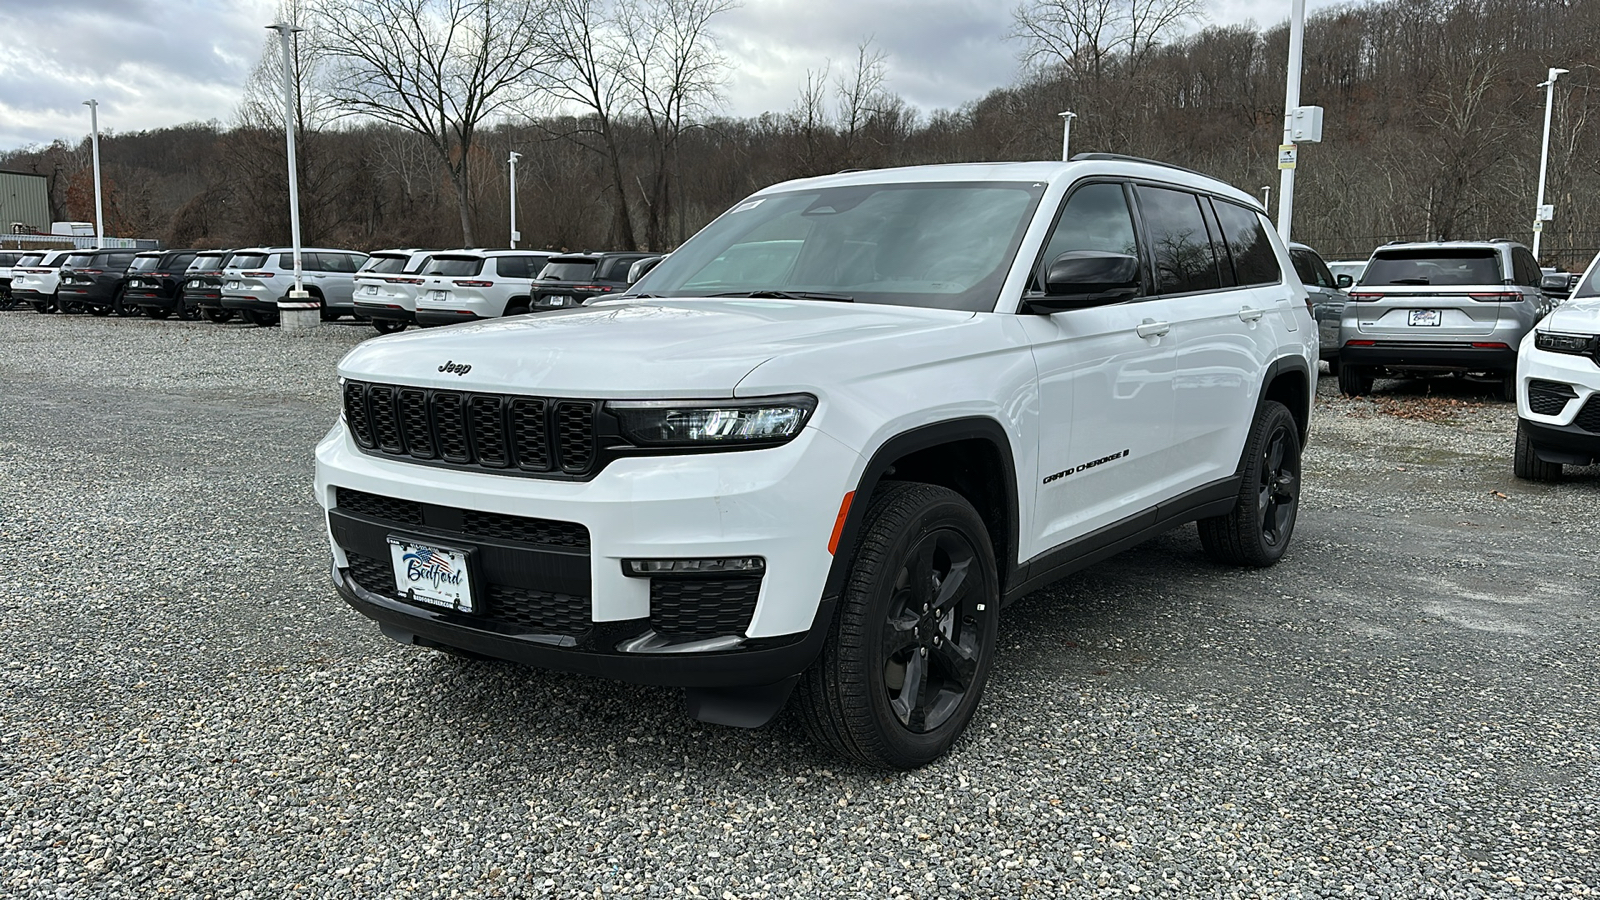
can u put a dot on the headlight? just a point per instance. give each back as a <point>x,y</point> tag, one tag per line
<point>689,423</point>
<point>1562,343</point>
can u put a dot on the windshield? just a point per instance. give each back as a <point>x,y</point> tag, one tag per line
<point>144,264</point>
<point>1590,286</point>
<point>1434,266</point>
<point>455,266</point>
<point>945,245</point>
<point>385,265</point>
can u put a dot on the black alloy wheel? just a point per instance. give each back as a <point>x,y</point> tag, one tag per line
<point>218,316</point>
<point>184,311</point>
<point>913,640</point>
<point>1256,532</point>
<point>157,312</point>
<point>96,310</point>
<point>44,306</point>
<point>388,326</point>
<point>123,308</point>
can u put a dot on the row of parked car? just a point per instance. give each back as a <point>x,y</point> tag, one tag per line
<point>391,288</point>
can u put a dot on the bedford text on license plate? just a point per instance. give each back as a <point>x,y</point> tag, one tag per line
<point>1425,317</point>
<point>432,575</point>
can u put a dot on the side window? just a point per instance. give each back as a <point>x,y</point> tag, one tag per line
<point>286,261</point>
<point>1254,261</point>
<point>1528,271</point>
<point>1180,248</point>
<point>1095,217</point>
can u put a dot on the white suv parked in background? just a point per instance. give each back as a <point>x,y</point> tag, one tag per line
<point>35,277</point>
<point>817,448</point>
<point>255,281</point>
<point>1558,386</point>
<point>465,285</point>
<point>386,288</point>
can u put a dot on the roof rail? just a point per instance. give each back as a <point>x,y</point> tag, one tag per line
<point>1123,157</point>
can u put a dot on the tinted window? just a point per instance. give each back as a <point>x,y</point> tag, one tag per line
<point>385,265</point>
<point>1434,265</point>
<point>30,260</point>
<point>1527,267</point>
<point>1254,261</point>
<point>519,266</point>
<point>9,259</point>
<point>1180,247</point>
<point>1589,287</point>
<point>78,260</point>
<point>1310,268</point>
<point>248,260</point>
<point>1095,217</point>
<point>341,262</point>
<point>206,262</point>
<point>455,265</point>
<point>144,264</point>
<point>578,270</point>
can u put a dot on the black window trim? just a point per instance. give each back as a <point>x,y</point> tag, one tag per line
<point>1034,286</point>
<point>1213,196</point>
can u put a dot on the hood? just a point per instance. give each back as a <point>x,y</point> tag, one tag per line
<point>640,349</point>
<point>1580,316</point>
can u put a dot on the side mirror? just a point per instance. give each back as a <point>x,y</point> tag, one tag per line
<point>1082,278</point>
<point>1343,281</point>
<point>1555,281</point>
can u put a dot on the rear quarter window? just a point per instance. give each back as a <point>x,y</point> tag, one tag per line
<point>1245,234</point>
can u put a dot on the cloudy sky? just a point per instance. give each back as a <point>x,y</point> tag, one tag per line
<point>152,63</point>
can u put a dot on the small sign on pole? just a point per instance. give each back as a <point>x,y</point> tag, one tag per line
<point>1286,156</point>
<point>1547,212</point>
<point>1538,227</point>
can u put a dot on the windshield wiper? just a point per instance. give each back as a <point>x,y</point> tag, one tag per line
<point>788,295</point>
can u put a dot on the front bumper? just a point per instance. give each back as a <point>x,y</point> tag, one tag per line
<point>779,504</point>
<point>1421,355</point>
<point>1565,437</point>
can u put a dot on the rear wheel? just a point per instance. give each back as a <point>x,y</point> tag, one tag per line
<point>330,315</point>
<point>258,318</point>
<point>157,312</point>
<point>1508,387</point>
<point>44,306</point>
<point>1257,530</point>
<point>218,315</point>
<point>1333,366</point>
<point>913,640</point>
<point>124,309</point>
<point>1355,381</point>
<point>1526,463</point>
<point>388,326</point>
<point>93,310</point>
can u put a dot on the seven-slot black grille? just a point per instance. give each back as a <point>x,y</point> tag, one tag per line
<point>1588,418</point>
<point>486,431</point>
<point>682,607</point>
<point>1549,398</point>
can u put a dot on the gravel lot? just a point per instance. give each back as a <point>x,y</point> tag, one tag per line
<point>1408,706</point>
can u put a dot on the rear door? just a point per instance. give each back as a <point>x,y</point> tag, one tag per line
<point>1430,294</point>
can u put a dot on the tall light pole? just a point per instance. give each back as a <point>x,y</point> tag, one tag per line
<point>94,142</point>
<point>1066,134</point>
<point>290,115</point>
<point>514,234</point>
<point>1291,100</point>
<point>1541,214</point>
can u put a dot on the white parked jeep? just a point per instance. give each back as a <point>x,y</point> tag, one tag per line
<point>818,448</point>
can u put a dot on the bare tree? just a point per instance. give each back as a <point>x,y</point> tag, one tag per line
<point>438,68</point>
<point>1082,38</point>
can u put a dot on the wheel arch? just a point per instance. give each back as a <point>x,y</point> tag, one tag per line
<point>1288,380</point>
<point>971,456</point>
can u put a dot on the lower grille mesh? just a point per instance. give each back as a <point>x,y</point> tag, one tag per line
<point>684,606</point>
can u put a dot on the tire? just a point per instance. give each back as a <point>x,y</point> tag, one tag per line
<point>1526,464</point>
<point>98,310</point>
<point>218,316</point>
<point>388,326</point>
<point>156,312</point>
<point>519,306</point>
<point>1333,366</point>
<point>184,311</point>
<point>125,310</point>
<point>44,307</point>
<point>329,315</point>
<point>1257,531</point>
<point>858,698</point>
<point>258,318</point>
<point>1355,381</point>
<point>1508,388</point>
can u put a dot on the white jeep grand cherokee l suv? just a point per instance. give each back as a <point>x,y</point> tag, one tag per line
<point>467,285</point>
<point>817,449</point>
<point>1558,386</point>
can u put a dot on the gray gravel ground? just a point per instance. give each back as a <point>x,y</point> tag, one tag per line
<point>1405,707</point>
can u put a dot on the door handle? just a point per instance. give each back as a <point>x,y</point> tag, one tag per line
<point>1152,328</point>
<point>1249,315</point>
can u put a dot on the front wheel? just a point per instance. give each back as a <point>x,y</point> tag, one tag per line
<point>913,640</point>
<point>1257,530</point>
<point>1508,387</point>
<point>1526,462</point>
<point>388,326</point>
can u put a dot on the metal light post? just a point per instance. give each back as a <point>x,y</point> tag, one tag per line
<point>1066,134</point>
<point>284,30</point>
<point>1297,42</point>
<point>514,234</point>
<point>1541,214</point>
<point>94,142</point>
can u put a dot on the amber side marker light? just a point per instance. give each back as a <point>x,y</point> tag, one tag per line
<point>838,523</point>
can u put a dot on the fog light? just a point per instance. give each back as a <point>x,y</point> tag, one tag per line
<point>728,565</point>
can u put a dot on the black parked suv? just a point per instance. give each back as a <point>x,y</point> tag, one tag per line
<point>94,280</point>
<point>154,280</point>
<point>572,278</point>
<point>201,294</point>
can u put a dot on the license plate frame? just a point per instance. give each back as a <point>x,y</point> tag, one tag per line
<point>1425,318</point>
<point>438,296</point>
<point>432,574</point>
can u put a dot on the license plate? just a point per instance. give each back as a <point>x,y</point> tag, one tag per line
<point>371,289</point>
<point>558,300</point>
<point>1425,317</point>
<point>434,575</point>
<point>233,285</point>
<point>135,283</point>
<point>438,295</point>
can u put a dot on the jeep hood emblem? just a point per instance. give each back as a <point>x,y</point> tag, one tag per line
<point>455,368</point>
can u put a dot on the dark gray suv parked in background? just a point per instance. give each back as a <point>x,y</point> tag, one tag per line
<point>1327,301</point>
<point>1440,307</point>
